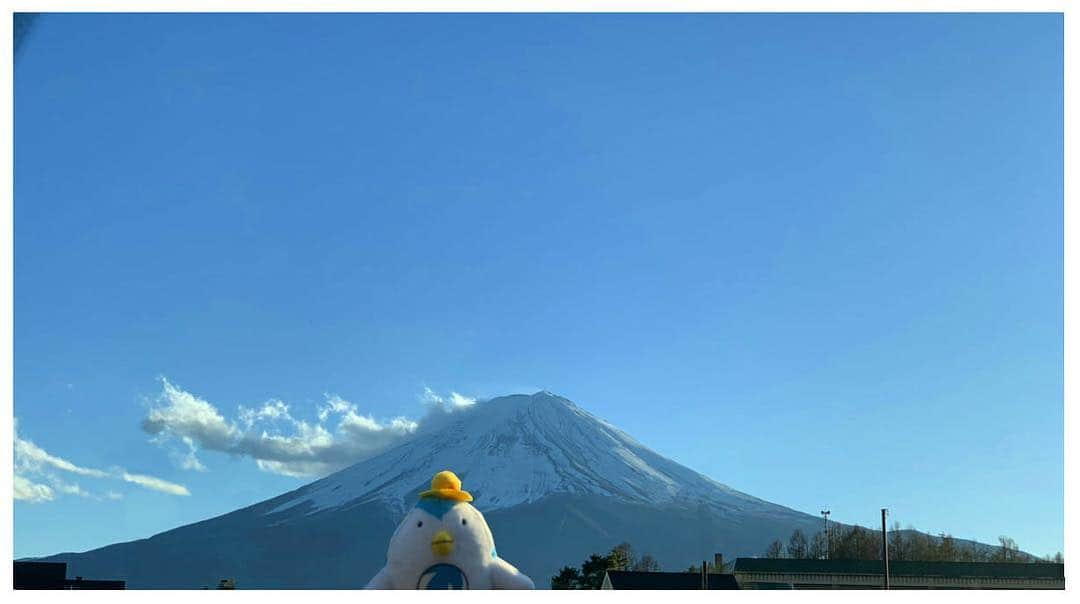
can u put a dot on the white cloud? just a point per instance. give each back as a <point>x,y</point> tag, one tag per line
<point>34,457</point>
<point>113,496</point>
<point>68,488</point>
<point>156,484</point>
<point>185,414</point>
<point>189,460</point>
<point>31,492</point>
<point>459,401</point>
<point>451,403</point>
<point>270,411</point>
<point>295,469</point>
<point>278,441</point>
<point>31,461</point>
<point>334,404</point>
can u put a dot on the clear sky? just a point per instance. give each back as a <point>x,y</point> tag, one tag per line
<point>816,258</point>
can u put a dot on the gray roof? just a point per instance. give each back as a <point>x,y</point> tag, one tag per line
<point>625,579</point>
<point>902,568</point>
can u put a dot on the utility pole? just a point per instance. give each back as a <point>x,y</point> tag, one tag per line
<point>825,515</point>
<point>885,546</point>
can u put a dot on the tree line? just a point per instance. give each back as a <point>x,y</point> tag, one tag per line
<point>590,575</point>
<point>860,543</point>
<point>843,543</point>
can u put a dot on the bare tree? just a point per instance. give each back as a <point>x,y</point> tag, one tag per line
<point>817,550</point>
<point>1056,558</point>
<point>899,548</point>
<point>861,543</point>
<point>776,549</point>
<point>1008,552</point>
<point>797,547</point>
<point>647,564</point>
<point>947,549</point>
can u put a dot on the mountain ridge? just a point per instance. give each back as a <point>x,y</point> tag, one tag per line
<point>554,482</point>
<point>518,449</point>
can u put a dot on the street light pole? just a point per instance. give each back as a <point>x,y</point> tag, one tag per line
<point>885,546</point>
<point>825,515</point>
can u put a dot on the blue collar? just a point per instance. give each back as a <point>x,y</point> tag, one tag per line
<point>435,506</point>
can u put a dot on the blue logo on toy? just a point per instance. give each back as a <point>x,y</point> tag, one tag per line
<point>443,576</point>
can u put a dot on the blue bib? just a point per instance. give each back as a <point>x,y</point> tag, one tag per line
<point>443,576</point>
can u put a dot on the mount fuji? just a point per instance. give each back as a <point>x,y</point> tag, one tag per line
<point>554,482</point>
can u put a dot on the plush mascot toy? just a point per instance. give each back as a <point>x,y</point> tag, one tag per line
<point>444,543</point>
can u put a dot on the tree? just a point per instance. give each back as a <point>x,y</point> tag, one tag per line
<point>899,546</point>
<point>797,547</point>
<point>972,553</point>
<point>775,550</point>
<point>860,543</point>
<point>591,574</point>
<point>592,571</point>
<point>855,543</point>
<point>567,578</point>
<point>947,549</point>
<point>1056,558</point>
<point>710,567</point>
<point>921,546</point>
<point>622,557</point>
<point>817,549</point>
<point>647,564</point>
<point>1008,551</point>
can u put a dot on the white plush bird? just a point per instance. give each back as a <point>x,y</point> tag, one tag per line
<point>444,543</point>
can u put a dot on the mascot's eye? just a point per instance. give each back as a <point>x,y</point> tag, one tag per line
<point>420,524</point>
<point>463,521</point>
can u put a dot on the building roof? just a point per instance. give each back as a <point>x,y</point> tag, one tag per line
<point>901,568</point>
<point>625,579</point>
<point>35,574</point>
<point>52,575</point>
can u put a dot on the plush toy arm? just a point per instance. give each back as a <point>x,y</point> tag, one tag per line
<point>505,576</point>
<point>381,580</point>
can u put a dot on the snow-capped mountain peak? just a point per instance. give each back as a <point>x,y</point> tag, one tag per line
<point>558,483</point>
<point>512,450</point>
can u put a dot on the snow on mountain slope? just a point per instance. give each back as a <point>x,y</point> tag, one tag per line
<point>519,449</point>
<point>555,484</point>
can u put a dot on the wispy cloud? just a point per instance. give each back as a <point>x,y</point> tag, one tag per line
<point>68,488</point>
<point>274,437</point>
<point>34,463</point>
<point>34,456</point>
<point>448,403</point>
<point>30,491</point>
<point>155,484</point>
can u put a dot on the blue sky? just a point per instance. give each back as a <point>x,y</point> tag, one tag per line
<point>817,258</point>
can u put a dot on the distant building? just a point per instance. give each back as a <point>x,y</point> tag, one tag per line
<point>625,579</point>
<point>53,575</point>
<point>782,573</point>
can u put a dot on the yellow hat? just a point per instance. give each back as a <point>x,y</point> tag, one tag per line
<point>446,485</point>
